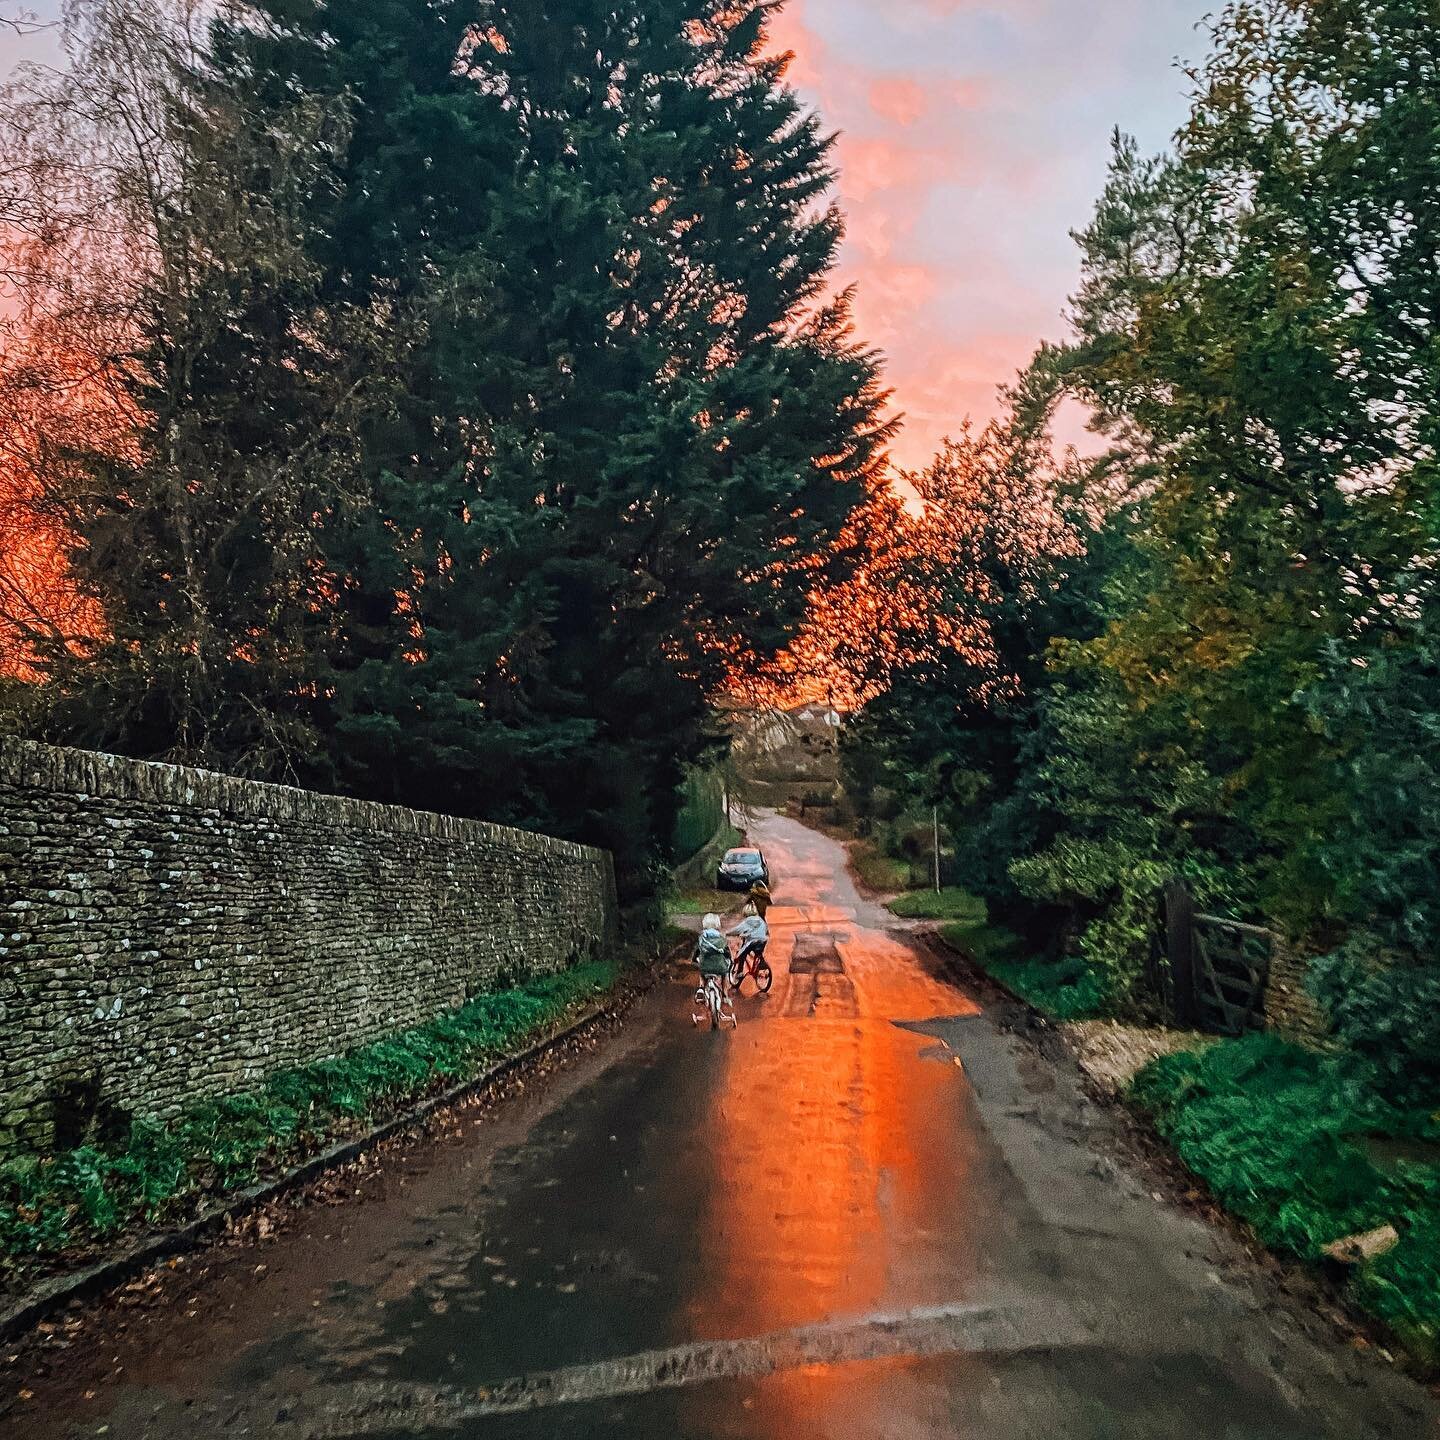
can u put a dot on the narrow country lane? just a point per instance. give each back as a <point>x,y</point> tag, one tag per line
<point>867,1212</point>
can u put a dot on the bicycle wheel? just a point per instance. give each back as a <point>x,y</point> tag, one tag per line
<point>737,974</point>
<point>763,977</point>
<point>712,995</point>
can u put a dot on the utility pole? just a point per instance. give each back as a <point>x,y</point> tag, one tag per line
<point>935,825</point>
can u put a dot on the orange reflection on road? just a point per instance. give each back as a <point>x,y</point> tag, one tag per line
<point>837,1180</point>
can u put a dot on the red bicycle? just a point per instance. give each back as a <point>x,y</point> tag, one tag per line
<point>752,964</point>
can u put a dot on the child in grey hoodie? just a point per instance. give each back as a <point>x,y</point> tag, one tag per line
<point>753,932</point>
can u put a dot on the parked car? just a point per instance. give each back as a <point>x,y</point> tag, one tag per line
<point>740,869</point>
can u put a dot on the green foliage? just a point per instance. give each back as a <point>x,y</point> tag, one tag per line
<point>1379,706</point>
<point>167,242</point>
<point>701,814</point>
<point>952,903</point>
<point>1064,989</point>
<point>1279,1135</point>
<point>1385,1007</point>
<point>1130,815</point>
<point>1225,668</point>
<point>56,1204</point>
<point>879,871</point>
<point>1228,668</point>
<point>988,945</point>
<point>698,900</point>
<point>454,486</point>
<point>1402,1287</point>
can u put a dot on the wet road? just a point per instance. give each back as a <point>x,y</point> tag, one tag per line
<point>865,1213</point>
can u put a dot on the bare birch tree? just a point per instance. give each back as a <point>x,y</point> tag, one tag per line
<point>158,528</point>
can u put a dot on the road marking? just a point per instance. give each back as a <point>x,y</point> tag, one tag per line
<point>344,1412</point>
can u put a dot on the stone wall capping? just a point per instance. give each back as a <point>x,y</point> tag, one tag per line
<point>87,775</point>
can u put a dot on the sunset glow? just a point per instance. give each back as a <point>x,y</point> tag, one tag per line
<point>51,404</point>
<point>973,136</point>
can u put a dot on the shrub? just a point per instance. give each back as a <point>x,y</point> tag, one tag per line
<point>877,870</point>
<point>952,903</point>
<point>1386,1010</point>
<point>1065,989</point>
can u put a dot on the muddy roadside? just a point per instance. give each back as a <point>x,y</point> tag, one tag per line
<point>101,1331</point>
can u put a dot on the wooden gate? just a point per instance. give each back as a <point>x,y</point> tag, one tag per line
<point>1209,972</point>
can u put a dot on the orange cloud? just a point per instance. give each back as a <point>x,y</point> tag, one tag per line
<point>970,94</point>
<point>973,138</point>
<point>901,101</point>
<point>868,166</point>
<point>888,297</point>
<point>788,31</point>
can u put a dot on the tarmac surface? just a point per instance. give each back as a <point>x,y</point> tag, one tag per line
<point>866,1212</point>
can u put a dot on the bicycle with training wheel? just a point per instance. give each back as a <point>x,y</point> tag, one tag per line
<point>711,999</point>
<point>751,964</point>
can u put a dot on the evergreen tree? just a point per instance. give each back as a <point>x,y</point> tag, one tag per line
<point>635,426</point>
<point>490,402</point>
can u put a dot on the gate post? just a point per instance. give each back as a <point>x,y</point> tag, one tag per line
<point>1180,948</point>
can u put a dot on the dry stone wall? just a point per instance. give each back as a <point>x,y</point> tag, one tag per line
<point>1290,1009</point>
<point>168,933</point>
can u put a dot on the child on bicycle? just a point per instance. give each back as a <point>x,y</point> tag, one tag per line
<point>712,955</point>
<point>712,950</point>
<point>760,897</point>
<point>753,933</point>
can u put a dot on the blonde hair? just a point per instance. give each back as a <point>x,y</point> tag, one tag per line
<point>750,908</point>
<point>710,922</point>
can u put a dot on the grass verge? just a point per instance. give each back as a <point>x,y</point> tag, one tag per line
<point>53,1207</point>
<point>876,870</point>
<point>697,899</point>
<point>952,903</point>
<point>672,937</point>
<point>1291,1142</point>
<point>1065,989</point>
<point>1062,989</point>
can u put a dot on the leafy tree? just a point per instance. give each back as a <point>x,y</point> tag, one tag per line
<point>982,579</point>
<point>1236,675</point>
<point>1380,709</point>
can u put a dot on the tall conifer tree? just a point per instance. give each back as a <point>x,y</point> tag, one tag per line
<point>633,426</point>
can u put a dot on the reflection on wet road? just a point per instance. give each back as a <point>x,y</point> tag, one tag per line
<point>857,1215</point>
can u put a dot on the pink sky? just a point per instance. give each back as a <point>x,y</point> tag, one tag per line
<point>973,138</point>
